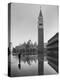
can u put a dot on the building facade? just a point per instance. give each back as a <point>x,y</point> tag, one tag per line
<point>52,52</point>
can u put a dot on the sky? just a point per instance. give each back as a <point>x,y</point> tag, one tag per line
<point>24,22</point>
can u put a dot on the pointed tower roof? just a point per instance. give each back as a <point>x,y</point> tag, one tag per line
<point>40,14</point>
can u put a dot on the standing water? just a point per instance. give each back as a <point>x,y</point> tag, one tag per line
<point>27,66</point>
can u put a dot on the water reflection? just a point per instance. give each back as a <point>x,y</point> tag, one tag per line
<point>19,66</point>
<point>27,58</point>
<point>40,66</point>
<point>26,65</point>
<point>40,62</point>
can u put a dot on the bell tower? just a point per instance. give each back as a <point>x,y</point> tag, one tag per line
<point>40,44</point>
<point>40,33</point>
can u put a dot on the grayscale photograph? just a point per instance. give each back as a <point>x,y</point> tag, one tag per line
<point>33,39</point>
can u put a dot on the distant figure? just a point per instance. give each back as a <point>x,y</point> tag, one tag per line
<point>19,56</point>
<point>8,51</point>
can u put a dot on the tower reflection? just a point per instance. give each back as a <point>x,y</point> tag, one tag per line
<point>40,64</point>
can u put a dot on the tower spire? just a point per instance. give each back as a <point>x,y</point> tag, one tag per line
<point>40,19</point>
<point>40,12</point>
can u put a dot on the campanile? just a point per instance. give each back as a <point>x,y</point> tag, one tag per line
<point>40,44</point>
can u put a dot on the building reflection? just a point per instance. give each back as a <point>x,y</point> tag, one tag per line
<point>40,64</point>
<point>29,59</point>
